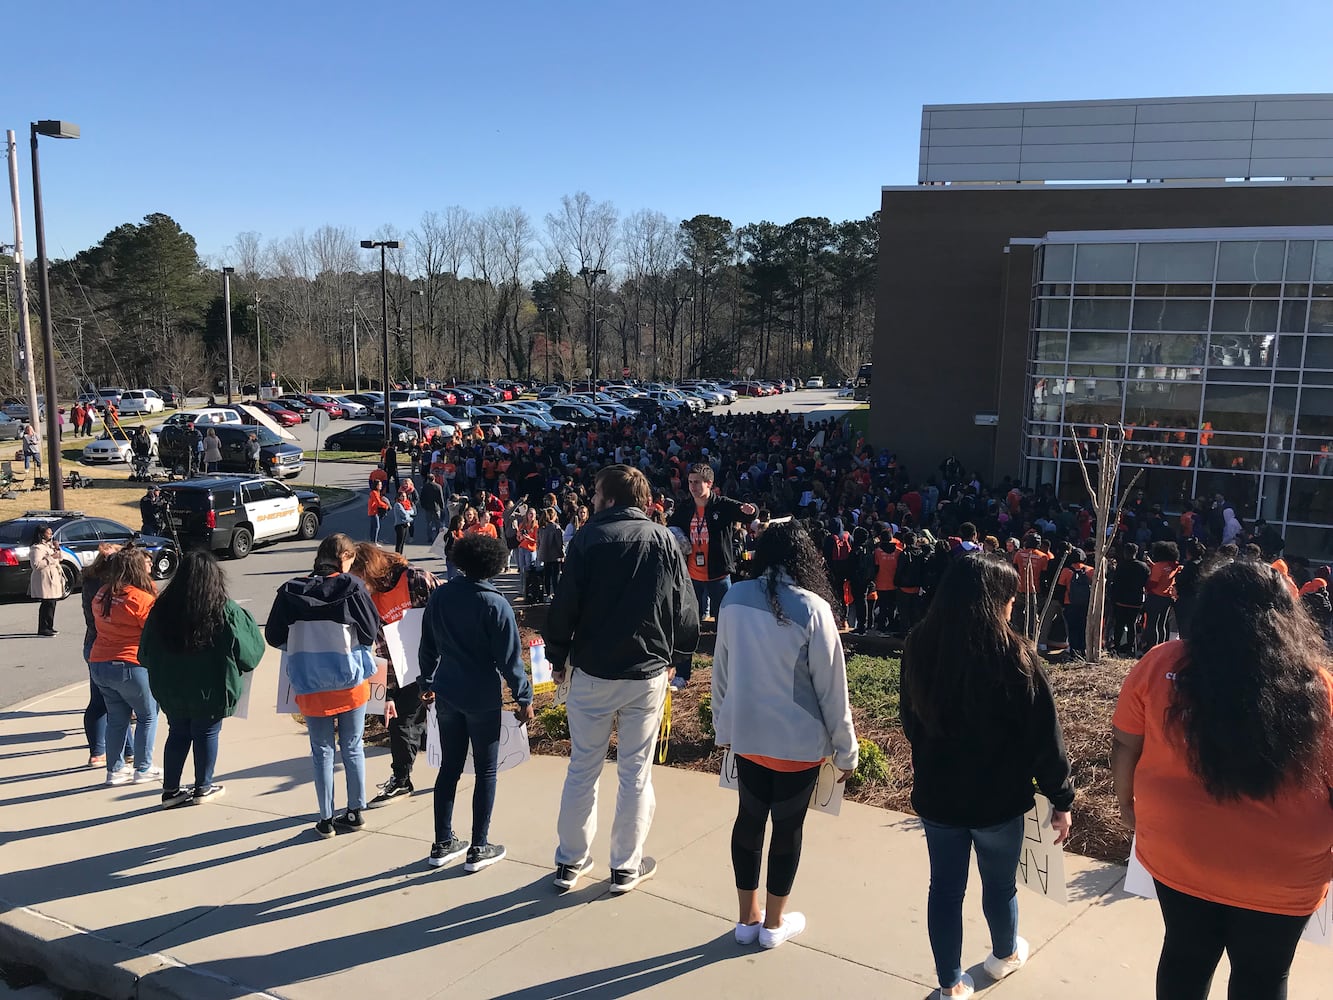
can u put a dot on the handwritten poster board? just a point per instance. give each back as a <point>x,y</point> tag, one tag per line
<point>826,798</point>
<point>514,749</point>
<point>1041,863</point>
<point>543,679</point>
<point>403,638</point>
<point>1319,929</point>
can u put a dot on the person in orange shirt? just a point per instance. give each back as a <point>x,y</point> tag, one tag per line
<point>1222,761</point>
<point>377,505</point>
<point>482,525</point>
<point>526,529</point>
<point>1031,563</point>
<point>1161,592</point>
<point>886,568</point>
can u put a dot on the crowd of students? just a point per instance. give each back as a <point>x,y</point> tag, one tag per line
<point>1229,728</point>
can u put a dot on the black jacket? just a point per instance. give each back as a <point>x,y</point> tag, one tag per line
<point>624,605</point>
<point>982,774</point>
<point>1128,583</point>
<point>720,513</point>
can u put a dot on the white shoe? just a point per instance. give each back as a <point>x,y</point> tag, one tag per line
<point>998,968</point>
<point>964,989</point>
<point>748,934</point>
<point>792,924</point>
<point>152,774</point>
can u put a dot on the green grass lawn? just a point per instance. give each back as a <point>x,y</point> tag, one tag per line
<point>371,457</point>
<point>860,419</point>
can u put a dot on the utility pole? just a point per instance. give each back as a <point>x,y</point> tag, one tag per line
<point>25,327</point>
<point>227,272</point>
<point>356,358</point>
<point>259,351</point>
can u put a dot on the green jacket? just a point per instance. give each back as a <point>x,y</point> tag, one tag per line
<point>204,684</point>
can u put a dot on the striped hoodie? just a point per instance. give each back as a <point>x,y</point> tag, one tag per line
<point>325,626</point>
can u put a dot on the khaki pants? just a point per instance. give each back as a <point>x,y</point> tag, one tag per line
<point>593,705</point>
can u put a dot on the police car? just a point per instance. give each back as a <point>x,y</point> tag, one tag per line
<point>79,537</point>
<point>234,513</point>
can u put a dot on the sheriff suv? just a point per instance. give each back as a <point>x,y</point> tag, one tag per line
<point>234,513</point>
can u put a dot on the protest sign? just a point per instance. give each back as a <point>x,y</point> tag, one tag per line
<point>542,678</point>
<point>243,702</point>
<point>1041,863</point>
<point>826,797</point>
<point>1319,929</point>
<point>514,748</point>
<point>403,638</point>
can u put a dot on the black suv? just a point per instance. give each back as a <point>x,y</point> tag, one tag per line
<point>234,513</point>
<point>277,457</point>
<point>78,536</point>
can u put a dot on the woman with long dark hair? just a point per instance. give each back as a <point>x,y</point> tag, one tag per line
<point>780,703</point>
<point>95,715</point>
<point>196,645</point>
<point>1230,731</point>
<point>978,711</point>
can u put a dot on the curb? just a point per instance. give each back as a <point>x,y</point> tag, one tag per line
<point>77,959</point>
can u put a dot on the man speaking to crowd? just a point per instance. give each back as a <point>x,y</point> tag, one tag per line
<point>707,523</point>
<point>623,611</point>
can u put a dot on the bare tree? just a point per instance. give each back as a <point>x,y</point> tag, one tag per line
<point>581,238</point>
<point>1106,516</point>
<point>184,362</point>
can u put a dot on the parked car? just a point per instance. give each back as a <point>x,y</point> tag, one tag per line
<point>278,413</point>
<point>78,537</point>
<point>10,429</point>
<point>320,402</point>
<point>170,395</point>
<point>18,408</point>
<point>644,406</point>
<point>446,396</point>
<point>109,394</point>
<point>114,446</point>
<point>298,406</point>
<point>141,401</point>
<point>369,400</point>
<point>426,426</point>
<point>352,410</point>
<point>367,437</point>
<point>234,513</point>
<point>815,382</point>
<point>277,457</point>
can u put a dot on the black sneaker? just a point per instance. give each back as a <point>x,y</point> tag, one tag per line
<point>324,828</point>
<point>213,791</point>
<point>567,876</point>
<point>350,820</point>
<point>180,797</point>
<point>390,790</point>
<point>442,852</point>
<point>625,879</point>
<point>483,856</point>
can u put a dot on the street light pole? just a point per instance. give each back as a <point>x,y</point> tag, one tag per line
<point>55,130</point>
<point>25,324</point>
<point>384,245</point>
<point>259,352</point>
<point>590,276</point>
<point>227,272</point>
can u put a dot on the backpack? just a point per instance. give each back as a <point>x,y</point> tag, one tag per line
<point>842,547</point>
<point>1080,587</point>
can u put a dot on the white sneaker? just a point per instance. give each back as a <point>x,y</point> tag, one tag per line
<point>152,774</point>
<point>964,989</point>
<point>122,777</point>
<point>998,968</point>
<point>792,924</point>
<point>748,934</point>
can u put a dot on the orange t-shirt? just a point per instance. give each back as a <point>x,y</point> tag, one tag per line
<point>1273,856</point>
<point>778,764</point>
<point>886,565</point>
<point>118,635</point>
<point>483,529</point>
<point>1030,563</point>
<point>323,704</point>
<point>1162,578</point>
<point>1067,575</point>
<point>527,539</point>
<point>698,566</point>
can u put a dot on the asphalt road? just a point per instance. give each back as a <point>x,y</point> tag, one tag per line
<point>31,665</point>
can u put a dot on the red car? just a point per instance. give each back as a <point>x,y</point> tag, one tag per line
<point>331,407</point>
<point>444,396</point>
<point>280,414</point>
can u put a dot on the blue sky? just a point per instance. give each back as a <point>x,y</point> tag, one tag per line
<point>291,114</point>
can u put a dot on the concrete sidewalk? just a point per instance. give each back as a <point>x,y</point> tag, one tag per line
<point>107,892</point>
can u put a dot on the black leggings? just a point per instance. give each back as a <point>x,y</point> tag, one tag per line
<point>1158,627</point>
<point>785,795</point>
<point>1260,947</point>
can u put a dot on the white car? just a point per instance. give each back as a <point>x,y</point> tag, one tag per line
<point>814,383</point>
<point>114,446</point>
<point>141,401</point>
<point>352,410</point>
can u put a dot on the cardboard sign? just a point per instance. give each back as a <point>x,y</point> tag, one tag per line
<point>514,749</point>
<point>243,702</point>
<point>827,794</point>
<point>403,638</point>
<point>1319,929</point>
<point>543,679</point>
<point>1041,863</point>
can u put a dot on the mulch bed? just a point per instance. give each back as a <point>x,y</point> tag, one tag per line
<point>1084,692</point>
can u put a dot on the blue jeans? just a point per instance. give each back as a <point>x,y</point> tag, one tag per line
<point>182,734</point>
<point>125,689</point>
<point>710,591</point>
<point>351,726</point>
<point>94,723</point>
<point>458,729</point>
<point>950,849</point>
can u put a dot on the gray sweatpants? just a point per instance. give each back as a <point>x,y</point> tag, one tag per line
<point>593,706</point>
